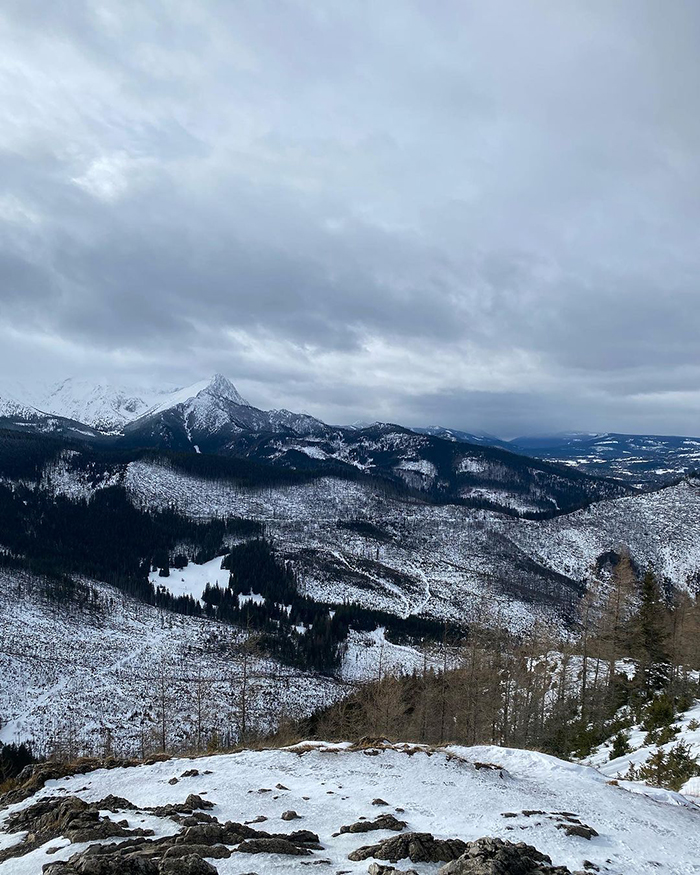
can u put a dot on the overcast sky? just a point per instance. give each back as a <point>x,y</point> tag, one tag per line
<point>479,214</point>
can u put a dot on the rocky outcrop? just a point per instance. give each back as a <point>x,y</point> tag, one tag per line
<point>71,817</point>
<point>272,846</point>
<point>578,829</point>
<point>384,821</point>
<point>192,804</point>
<point>120,860</point>
<point>491,856</point>
<point>418,847</point>
<point>185,852</point>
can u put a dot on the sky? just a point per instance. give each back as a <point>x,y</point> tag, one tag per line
<point>479,215</point>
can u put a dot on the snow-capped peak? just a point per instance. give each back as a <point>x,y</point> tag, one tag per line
<point>107,407</point>
<point>101,405</point>
<point>224,388</point>
<point>218,387</point>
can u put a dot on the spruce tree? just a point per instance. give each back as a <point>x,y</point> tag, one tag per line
<point>651,637</point>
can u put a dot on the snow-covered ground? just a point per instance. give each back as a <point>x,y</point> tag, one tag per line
<point>87,680</point>
<point>441,792</point>
<point>84,680</point>
<point>192,579</point>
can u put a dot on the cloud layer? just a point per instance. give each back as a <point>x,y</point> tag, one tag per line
<point>479,214</point>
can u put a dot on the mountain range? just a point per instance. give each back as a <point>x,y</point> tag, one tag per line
<point>212,416</point>
<point>408,531</point>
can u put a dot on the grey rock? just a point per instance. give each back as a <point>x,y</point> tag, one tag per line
<point>492,856</point>
<point>272,846</point>
<point>384,821</point>
<point>114,803</point>
<point>218,852</point>
<point>379,869</point>
<point>192,865</point>
<point>578,829</point>
<point>419,847</point>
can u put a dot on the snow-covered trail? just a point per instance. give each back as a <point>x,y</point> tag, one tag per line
<point>441,792</point>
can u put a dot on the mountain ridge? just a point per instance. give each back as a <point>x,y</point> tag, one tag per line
<point>211,416</point>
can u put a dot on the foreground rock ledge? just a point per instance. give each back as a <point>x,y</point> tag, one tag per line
<point>490,856</point>
<point>485,856</point>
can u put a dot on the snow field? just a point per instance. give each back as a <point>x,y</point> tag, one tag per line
<point>440,792</point>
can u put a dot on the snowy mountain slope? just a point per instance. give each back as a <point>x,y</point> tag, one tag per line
<point>201,417</point>
<point>14,409</point>
<point>19,417</point>
<point>349,540</point>
<point>109,408</point>
<point>102,406</point>
<point>353,539</point>
<point>446,562</point>
<point>446,793</point>
<point>87,673</point>
<point>211,417</point>
<point>211,414</point>
<point>439,469</point>
<point>659,528</point>
<point>74,676</point>
<point>638,458</point>
<point>207,416</point>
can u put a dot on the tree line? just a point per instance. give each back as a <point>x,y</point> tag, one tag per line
<point>263,595</point>
<point>632,661</point>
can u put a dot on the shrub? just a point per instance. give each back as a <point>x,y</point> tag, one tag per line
<point>670,770</point>
<point>620,745</point>
<point>659,712</point>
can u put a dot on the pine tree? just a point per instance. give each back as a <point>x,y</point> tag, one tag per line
<point>620,745</point>
<point>651,638</point>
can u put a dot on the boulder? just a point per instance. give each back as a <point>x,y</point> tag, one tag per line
<point>492,856</point>
<point>192,865</point>
<point>272,846</point>
<point>379,869</point>
<point>384,821</point>
<point>114,804</point>
<point>578,829</point>
<point>419,847</point>
<point>217,852</point>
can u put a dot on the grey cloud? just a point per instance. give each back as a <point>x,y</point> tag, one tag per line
<point>402,200</point>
